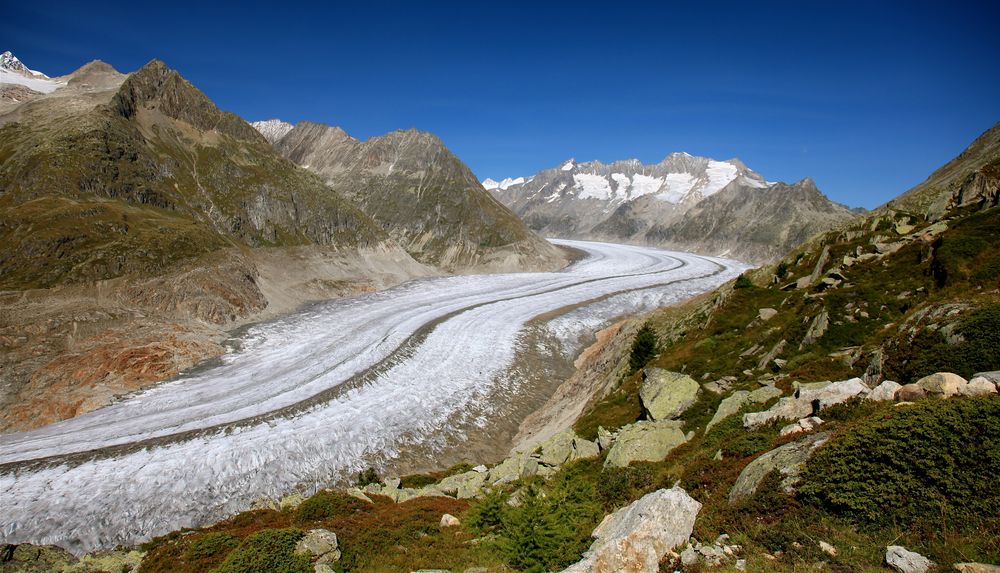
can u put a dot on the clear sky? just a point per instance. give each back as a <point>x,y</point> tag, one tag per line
<point>867,98</point>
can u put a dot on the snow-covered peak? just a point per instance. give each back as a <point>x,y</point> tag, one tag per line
<point>568,166</point>
<point>272,129</point>
<point>9,61</point>
<point>492,185</point>
<point>13,71</point>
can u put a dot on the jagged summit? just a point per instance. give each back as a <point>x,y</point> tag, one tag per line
<point>9,61</point>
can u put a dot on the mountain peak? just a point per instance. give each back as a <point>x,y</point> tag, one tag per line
<point>272,129</point>
<point>9,61</point>
<point>157,86</point>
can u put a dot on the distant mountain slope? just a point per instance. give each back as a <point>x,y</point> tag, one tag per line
<point>421,195</point>
<point>687,202</point>
<point>969,179</point>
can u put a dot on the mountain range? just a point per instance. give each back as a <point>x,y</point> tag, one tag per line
<point>684,202</point>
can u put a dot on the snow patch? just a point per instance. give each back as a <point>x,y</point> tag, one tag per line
<point>39,84</point>
<point>676,187</point>
<point>592,186</point>
<point>568,165</point>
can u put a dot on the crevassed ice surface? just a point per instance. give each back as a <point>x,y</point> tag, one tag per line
<point>438,353</point>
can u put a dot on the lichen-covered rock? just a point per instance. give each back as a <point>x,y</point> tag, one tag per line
<point>449,520</point>
<point>645,441</point>
<point>944,384</point>
<point>26,558</point>
<point>321,546</point>
<point>665,395</point>
<point>469,481</point>
<point>978,387</point>
<point>735,402</point>
<point>804,425</point>
<point>635,538</point>
<point>765,314</point>
<point>107,562</point>
<point>817,328</point>
<point>807,400</point>
<point>788,460</point>
<point>886,391</point>
<point>291,501</point>
<point>584,450</point>
<point>558,449</point>
<point>905,561</point>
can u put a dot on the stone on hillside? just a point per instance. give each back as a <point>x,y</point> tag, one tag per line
<point>557,449</point>
<point>977,568</point>
<point>290,502</point>
<point>807,400</point>
<point>904,561</point>
<point>910,392</point>
<point>107,562</point>
<point>993,376</point>
<point>262,503</point>
<point>645,441</point>
<point>944,384</point>
<point>584,450</point>
<point>978,387</point>
<point>788,460</point>
<point>463,485</point>
<point>605,439</point>
<point>817,328</point>
<point>636,538</point>
<point>884,392</point>
<point>775,351</point>
<point>766,314</point>
<point>665,395</point>
<point>509,470</point>
<point>358,494</point>
<point>449,520</point>
<point>392,483</point>
<point>803,425</point>
<point>740,398</point>
<point>320,545</point>
<point>828,549</point>
<point>481,469</point>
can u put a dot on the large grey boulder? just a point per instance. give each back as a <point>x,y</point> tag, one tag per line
<point>665,395</point>
<point>943,384</point>
<point>463,486</point>
<point>817,328</point>
<point>735,402</point>
<point>993,376</point>
<point>886,391</point>
<point>558,449</point>
<point>808,399</point>
<point>905,561</point>
<point>978,387</point>
<point>645,441</point>
<point>635,538</point>
<point>320,545</point>
<point>788,460</point>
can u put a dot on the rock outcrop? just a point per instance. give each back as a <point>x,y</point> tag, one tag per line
<point>666,395</point>
<point>645,441</point>
<point>905,561</point>
<point>807,401</point>
<point>788,460</point>
<point>635,538</point>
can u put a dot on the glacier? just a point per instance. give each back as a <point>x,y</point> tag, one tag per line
<point>307,400</point>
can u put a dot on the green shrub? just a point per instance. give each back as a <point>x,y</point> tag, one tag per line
<point>211,545</point>
<point>929,352</point>
<point>936,460</point>
<point>267,551</point>
<point>487,515</point>
<point>617,487</point>
<point>743,281</point>
<point>327,505</point>
<point>367,477</point>
<point>643,348</point>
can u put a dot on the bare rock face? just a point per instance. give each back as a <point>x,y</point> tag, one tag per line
<point>645,441</point>
<point>635,538</point>
<point>665,395</point>
<point>905,561</point>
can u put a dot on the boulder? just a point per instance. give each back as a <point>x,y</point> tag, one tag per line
<point>807,400</point>
<point>735,402</point>
<point>665,395</point>
<point>358,494</point>
<point>290,502</point>
<point>645,441</point>
<point>107,562</point>
<point>636,538</point>
<point>976,568</point>
<point>449,520</point>
<point>944,384</point>
<point>910,392</point>
<point>978,387</point>
<point>557,449</point>
<point>817,328</point>
<point>766,314</point>
<point>775,351</point>
<point>904,561</point>
<point>320,545</point>
<point>803,425</point>
<point>605,439</point>
<point>788,460</point>
<point>508,470</point>
<point>262,503</point>
<point>34,558</point>
<point>993,376</point>
<point>463,486</point>
<point>584,450</point>
<point>885,391</point>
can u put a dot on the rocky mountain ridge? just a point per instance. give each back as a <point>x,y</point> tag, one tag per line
<point>272,129</point>
<point>683,202</point>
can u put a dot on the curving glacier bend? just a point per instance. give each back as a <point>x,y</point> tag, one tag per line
<point>311,398</point>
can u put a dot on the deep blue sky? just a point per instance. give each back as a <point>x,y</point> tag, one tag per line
<point>866,98</point>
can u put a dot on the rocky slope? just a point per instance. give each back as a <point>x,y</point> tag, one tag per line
<point>423,196</point>
<point>683,202</point>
